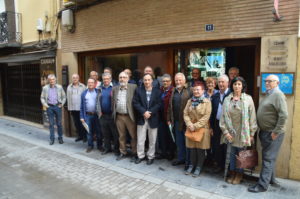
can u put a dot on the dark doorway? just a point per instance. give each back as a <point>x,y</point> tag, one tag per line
<point>21,92</point>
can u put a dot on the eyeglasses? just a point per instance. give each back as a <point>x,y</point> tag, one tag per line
<point>269,81</point>
<point>166,80</point>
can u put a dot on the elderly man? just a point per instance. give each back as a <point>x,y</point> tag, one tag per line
<point>74,92</point>
<point>53,97</point>
<point>179,97</point>
<point>233,72</point>
<point>165,140</point>
<point>104,111</point>
<point>123,114</point>
<point>94,75</point>
<point>155,82</point>
<point>88,115</point>
<point>196,77</point>
<point>218,150</point>
<point>272,115</point>
<point>109,70</point>
<point>146,102</point>
<point>129,73</point>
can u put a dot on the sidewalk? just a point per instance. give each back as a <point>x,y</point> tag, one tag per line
<point>162,177</point>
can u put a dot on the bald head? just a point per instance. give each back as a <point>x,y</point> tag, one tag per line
<point>272,81</point>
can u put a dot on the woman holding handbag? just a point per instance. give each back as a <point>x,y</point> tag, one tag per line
<point>238,124</point>
<point>196,117</point>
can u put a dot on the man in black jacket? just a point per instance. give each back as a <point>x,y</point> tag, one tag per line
<point>218,150</point>
<point>147,102</point>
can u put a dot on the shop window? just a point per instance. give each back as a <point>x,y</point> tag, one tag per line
<point>118,62</point>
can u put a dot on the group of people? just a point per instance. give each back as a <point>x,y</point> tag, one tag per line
<point>152,117</point>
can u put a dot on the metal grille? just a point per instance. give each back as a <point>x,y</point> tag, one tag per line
<point>10,27</point>
<point>22,92</point>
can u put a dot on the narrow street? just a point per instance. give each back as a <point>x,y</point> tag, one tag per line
<point>30,168</point>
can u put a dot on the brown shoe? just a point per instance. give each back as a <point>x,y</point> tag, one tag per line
<point>238,178</point>
<point>231,177</point>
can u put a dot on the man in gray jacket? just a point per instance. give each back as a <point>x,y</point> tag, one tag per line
<point>74,92</point>
<point>53,98</point>
<point>271,117</point>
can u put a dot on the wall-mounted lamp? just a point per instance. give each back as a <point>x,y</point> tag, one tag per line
<point>67,20</point>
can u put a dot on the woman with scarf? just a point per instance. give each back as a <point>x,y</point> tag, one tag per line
<point>238,124</point>
<point>196,116</point>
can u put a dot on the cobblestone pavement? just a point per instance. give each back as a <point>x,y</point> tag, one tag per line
<point>30,168</point>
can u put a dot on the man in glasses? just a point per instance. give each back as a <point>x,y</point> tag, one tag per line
<point>271,117</point>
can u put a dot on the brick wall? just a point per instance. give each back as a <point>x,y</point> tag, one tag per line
<point>125,23</point>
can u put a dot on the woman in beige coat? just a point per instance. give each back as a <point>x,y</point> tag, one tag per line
<point>196,116</point>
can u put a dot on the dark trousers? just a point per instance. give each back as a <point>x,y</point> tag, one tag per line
<point>109,132</point>
<point>165,142</point>
<point>218,150</point>
<point>197,157</point>
<point>270,149</point>
<point>94,128</point>
<point>54,116</point>
<point>81,133</point>
<point>183,154</point>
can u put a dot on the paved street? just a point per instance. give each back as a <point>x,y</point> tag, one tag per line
<point>30,168</point>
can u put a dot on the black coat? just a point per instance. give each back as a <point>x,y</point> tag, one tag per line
<point>215,101</point>
<point>139,102</point>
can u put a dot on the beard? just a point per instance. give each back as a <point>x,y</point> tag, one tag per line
<point>123,84</point>
<point>178,86</point>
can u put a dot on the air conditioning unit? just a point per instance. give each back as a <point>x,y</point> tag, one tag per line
<point>67,19</point>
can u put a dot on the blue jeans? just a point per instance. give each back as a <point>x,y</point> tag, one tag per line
<point>94,127</point>
<point>54,112</point>
<point>183,154</point>
<point>232,166</point>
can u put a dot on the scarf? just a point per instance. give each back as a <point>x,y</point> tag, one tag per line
<point>245,131</point>
<point>197,100</point>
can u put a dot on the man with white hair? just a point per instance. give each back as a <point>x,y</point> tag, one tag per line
<point>74,92</point>
<point>94,75</point>
<point>179,97</point>
<point>123,114</point>
<point>218,150</point>
<point>53,98</point>
<point>272,115</point>
<point>104,111</point>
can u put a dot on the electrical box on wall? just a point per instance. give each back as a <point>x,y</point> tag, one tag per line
<point>39,25</point>
<point>67,19</point>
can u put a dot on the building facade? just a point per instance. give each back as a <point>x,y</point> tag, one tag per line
<point>175,35</point>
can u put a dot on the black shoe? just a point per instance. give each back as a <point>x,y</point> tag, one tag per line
<point>84,140</point>
<point>178,162</point>
<point>78,139</point>
<point>60,141</point>
<point>133,158</point>
<point>101,149</point>
<point>275,183</point>
<point>139,160</point>
<point>217,170</point>
<point>150,161</point>
<point>89,149</point>
<point>121,156</point>
<point>160,156</point>
<point>106,151</point>
<point>197,172</point>
<point>256,189</point>
<point>51,142</point>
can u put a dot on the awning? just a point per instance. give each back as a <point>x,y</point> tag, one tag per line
<point>27,57</point>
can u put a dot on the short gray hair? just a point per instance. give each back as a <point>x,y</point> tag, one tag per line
<point>51,76</point>
<point>166,76</point>
<point>93,72</point>
<point>75,74</point>
<point>275,77</point>
<point>224,76</point>
<point>106,75</point>
<point>124,73</point>
<point>234,68</point>
<point>180,74</point>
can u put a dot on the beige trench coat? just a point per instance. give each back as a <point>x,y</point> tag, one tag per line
<point>199,117</point>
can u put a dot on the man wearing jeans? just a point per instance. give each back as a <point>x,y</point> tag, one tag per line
<point>179,97</point>
<point>147,102</point>
<point>88,115</point>
<point>271,117</point>
<point>53,97</point>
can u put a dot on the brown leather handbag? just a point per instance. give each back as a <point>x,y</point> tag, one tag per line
<point>247,159</point>
<point>195,136</point>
